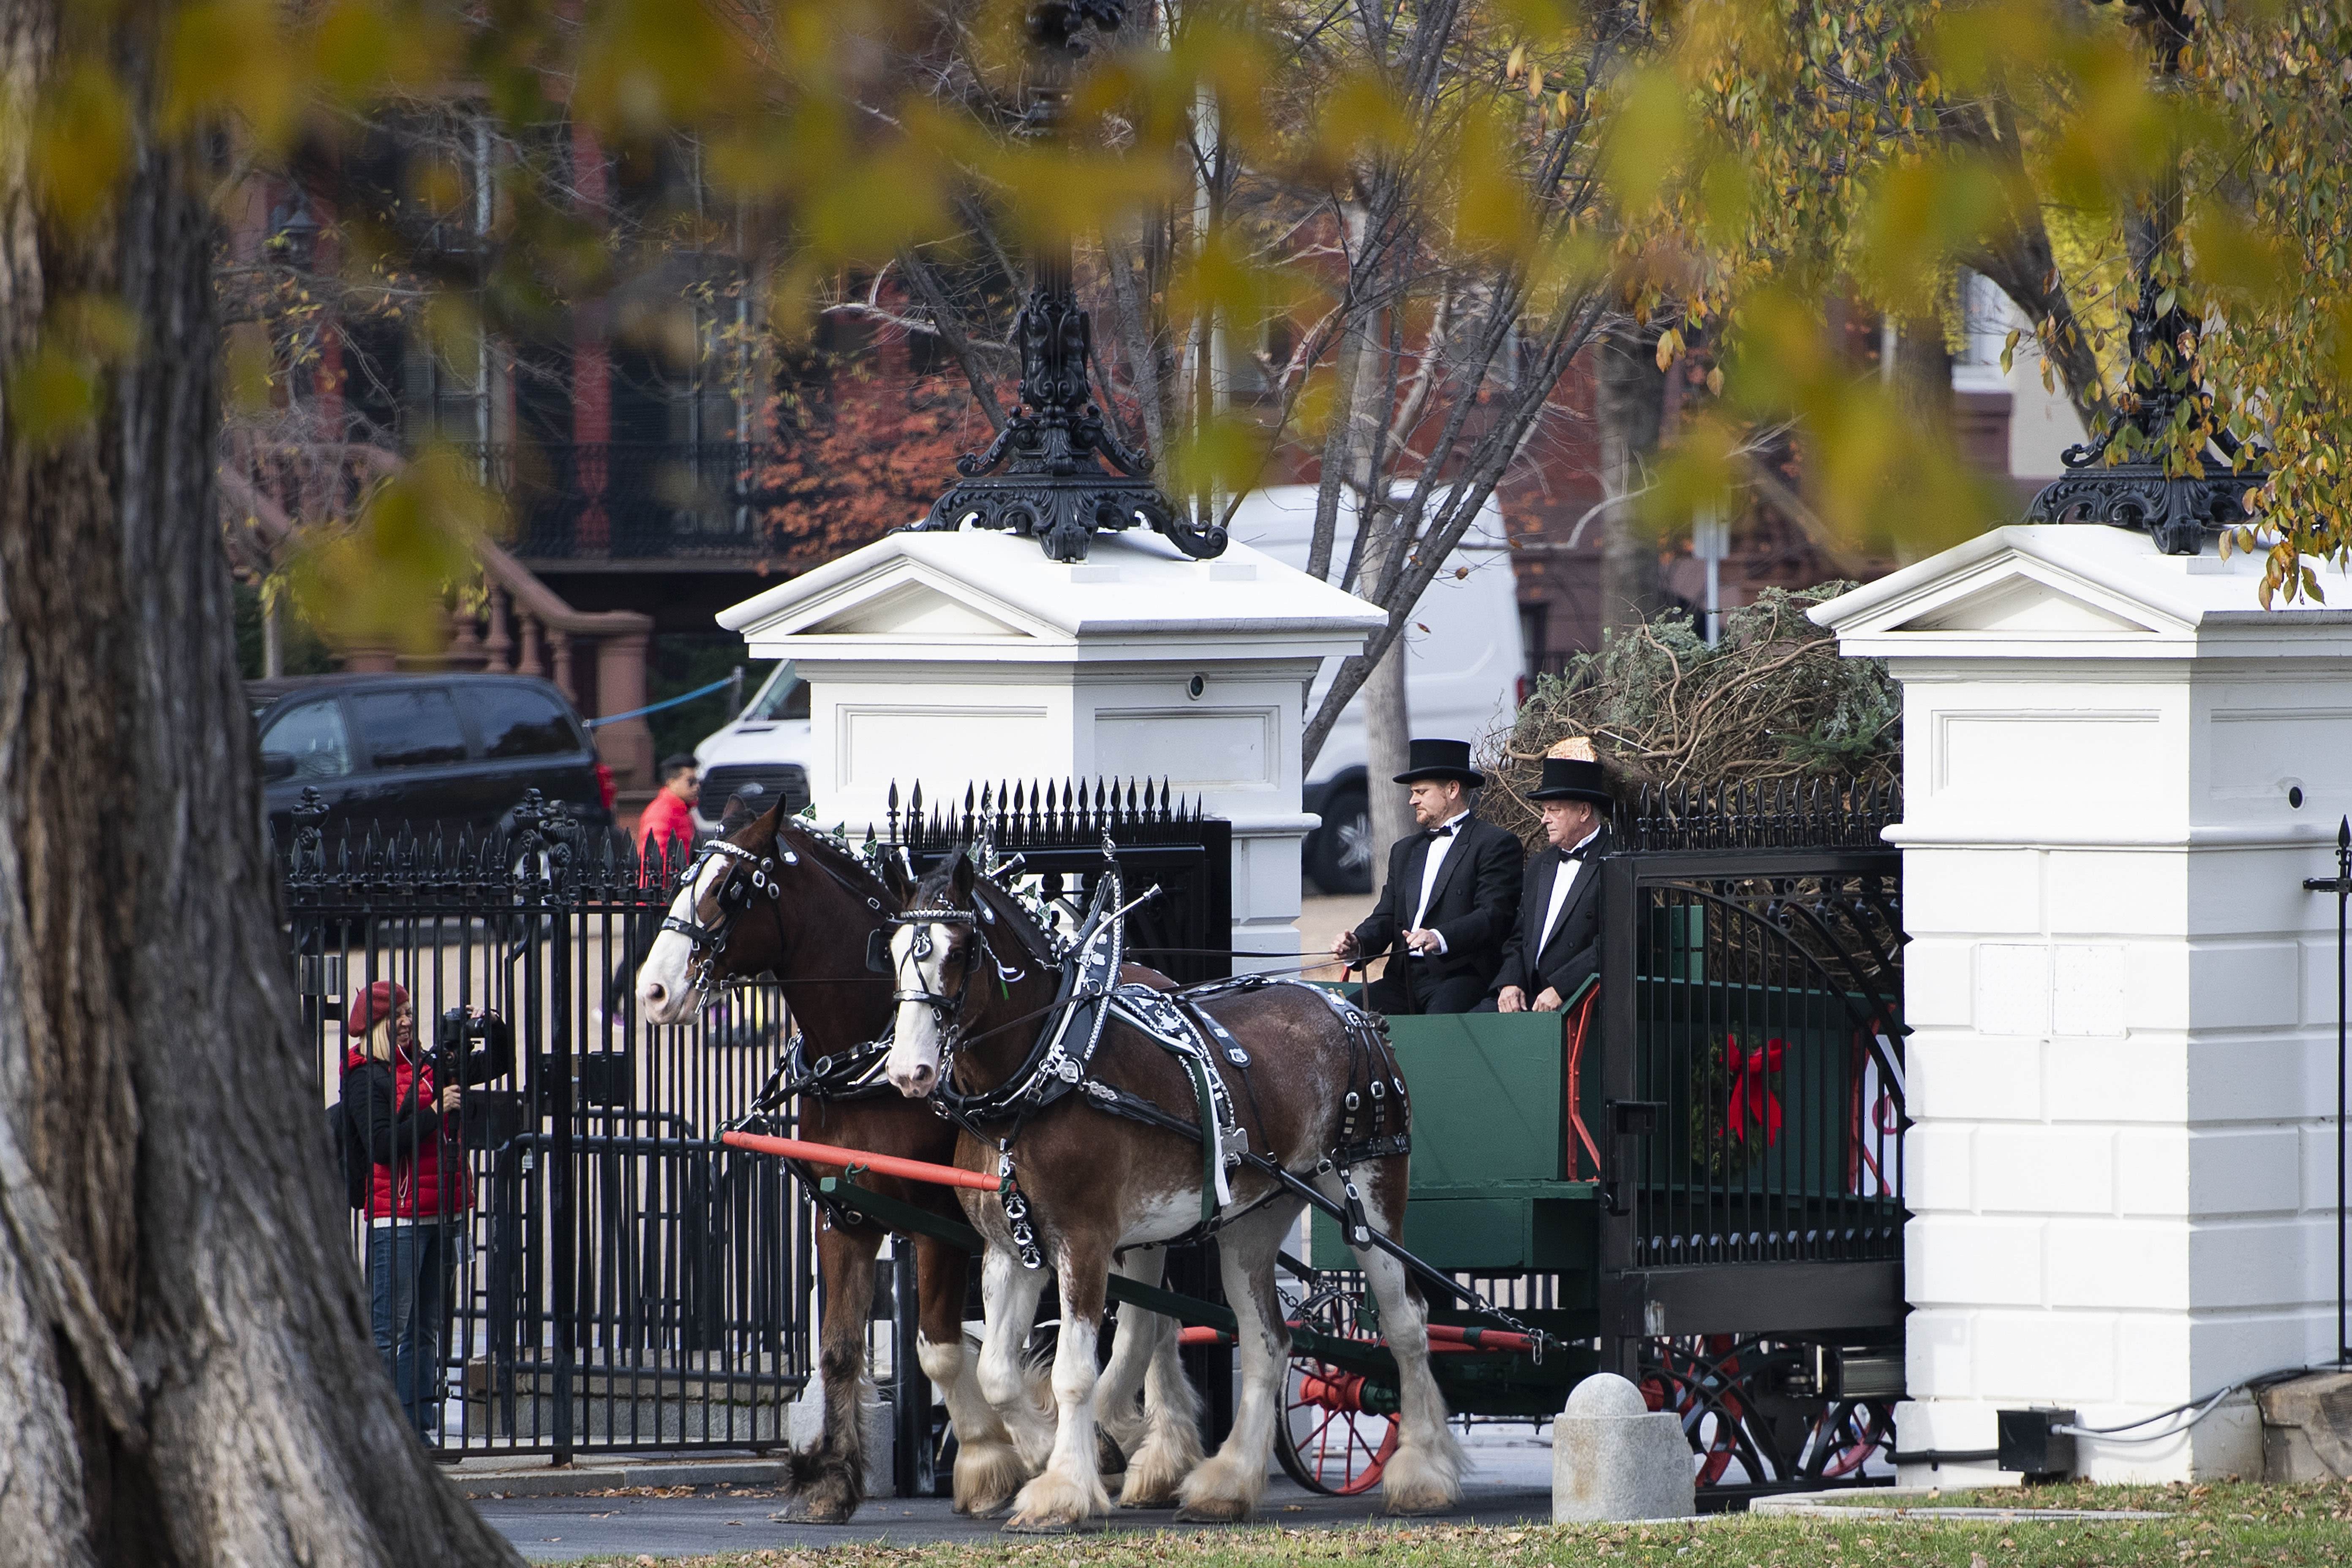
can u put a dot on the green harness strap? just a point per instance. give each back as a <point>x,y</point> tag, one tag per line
<point>1209,1149</point>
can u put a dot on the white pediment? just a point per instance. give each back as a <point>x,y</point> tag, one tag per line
<point>918,596</point>
<point>2037,589</point>
<point>912,609</point>
<point>2021,603</point>
<point>884,598</point>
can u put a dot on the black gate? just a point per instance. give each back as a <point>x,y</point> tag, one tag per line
<point>622,1280</point>
<point>1752,1071</point>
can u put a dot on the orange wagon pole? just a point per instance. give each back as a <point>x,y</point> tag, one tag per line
<point>880,1164</point>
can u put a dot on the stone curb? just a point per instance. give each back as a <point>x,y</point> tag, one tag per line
<point>483,1476</point>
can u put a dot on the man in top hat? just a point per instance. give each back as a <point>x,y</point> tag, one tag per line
<point>1556,942</point>
<point>1451,891</point>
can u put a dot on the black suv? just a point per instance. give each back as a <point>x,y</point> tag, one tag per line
<point>423,750</point>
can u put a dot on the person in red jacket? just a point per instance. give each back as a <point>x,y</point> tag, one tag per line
<point>404,1111</point>
<point>669,816</point>
<point>665,839</point>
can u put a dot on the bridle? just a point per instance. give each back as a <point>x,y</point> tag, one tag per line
<point>738,893</point>
<point>947,1012</point>
<point>733,896</point>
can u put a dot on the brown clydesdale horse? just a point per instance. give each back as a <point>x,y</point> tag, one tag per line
<point>809,925</point>
<point>1096,1184</point>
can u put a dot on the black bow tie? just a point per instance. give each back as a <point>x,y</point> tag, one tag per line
<point>1444,832</point>
<point>1577,853</point>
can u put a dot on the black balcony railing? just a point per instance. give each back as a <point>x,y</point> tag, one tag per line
<point>633,500</point>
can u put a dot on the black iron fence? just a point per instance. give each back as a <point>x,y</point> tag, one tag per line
<point>1786,814</point>
<point>1166,847</point>
<point>1752,1070</point>
<point>618,1278</point>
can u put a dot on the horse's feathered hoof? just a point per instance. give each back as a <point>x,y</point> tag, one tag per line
<point>988,1475</point>
<point>823,1487</point>
<point>1150,1504</point>
<point>1213,1510</point>
<point>1042,1527</point>
<point>1053,1504</point>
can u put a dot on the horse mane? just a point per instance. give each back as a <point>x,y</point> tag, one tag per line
<point>826,848</point>
<point>998,896</point>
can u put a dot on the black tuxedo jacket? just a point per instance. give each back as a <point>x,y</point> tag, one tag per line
<point>1471,907</point>
<point>1532,963</point>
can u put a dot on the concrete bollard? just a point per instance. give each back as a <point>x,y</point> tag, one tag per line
<point>1613,1458</point>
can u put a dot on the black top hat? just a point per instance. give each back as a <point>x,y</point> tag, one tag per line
<point>1440,760</point>
<point>1572,778</point>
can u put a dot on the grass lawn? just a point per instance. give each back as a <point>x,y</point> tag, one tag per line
<point>2212,1525</point>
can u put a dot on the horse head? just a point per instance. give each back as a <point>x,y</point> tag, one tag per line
<point>766,898</point>
<point>934,952</point>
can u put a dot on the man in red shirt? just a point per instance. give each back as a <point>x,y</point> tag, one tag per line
<point>665,837</point>
<point>669,816</point>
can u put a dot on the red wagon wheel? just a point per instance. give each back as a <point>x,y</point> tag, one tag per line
<point>1848,1434</point>
<point>1701,1382</point>
<point>1327,1441</point>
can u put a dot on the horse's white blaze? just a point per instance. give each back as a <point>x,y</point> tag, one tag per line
<point>670,963</point>
<point>914,1061</point>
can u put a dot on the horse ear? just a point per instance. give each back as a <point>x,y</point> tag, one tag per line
<point>964,874</point>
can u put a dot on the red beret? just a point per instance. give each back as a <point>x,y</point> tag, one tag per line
<point>381,1000</point>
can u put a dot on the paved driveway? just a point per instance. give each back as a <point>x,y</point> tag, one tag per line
<point>1510,1481</point>
<point>562,1529</point>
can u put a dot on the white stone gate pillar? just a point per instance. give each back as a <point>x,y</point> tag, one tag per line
<point>969,658</point>
<point>2117,772</point>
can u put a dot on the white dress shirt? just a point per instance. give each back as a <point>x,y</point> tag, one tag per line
<point>1563,883</point>
<point>1434,863</point>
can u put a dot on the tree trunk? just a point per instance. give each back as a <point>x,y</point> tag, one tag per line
<point>1387,724</point>
<point>186,1371</point>
<point>1633,400</point>
<point>1922,379</point>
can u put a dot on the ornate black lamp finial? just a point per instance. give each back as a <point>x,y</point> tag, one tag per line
<point>2178,511</point>
<point>1044,476</point>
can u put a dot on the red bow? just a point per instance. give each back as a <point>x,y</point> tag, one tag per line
<point>1752,1103</point>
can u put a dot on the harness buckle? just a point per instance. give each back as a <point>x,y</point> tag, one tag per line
<point>1360,1227</point>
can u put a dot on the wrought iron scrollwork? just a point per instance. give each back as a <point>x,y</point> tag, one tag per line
<point>1056,472</point>
<point>2177,510</point>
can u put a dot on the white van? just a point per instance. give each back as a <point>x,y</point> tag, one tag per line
<point>767,744</point>
<point>1463,671</point>
<point>1464,675</point>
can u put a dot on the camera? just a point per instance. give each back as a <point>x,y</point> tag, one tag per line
<point>457,1025</point>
